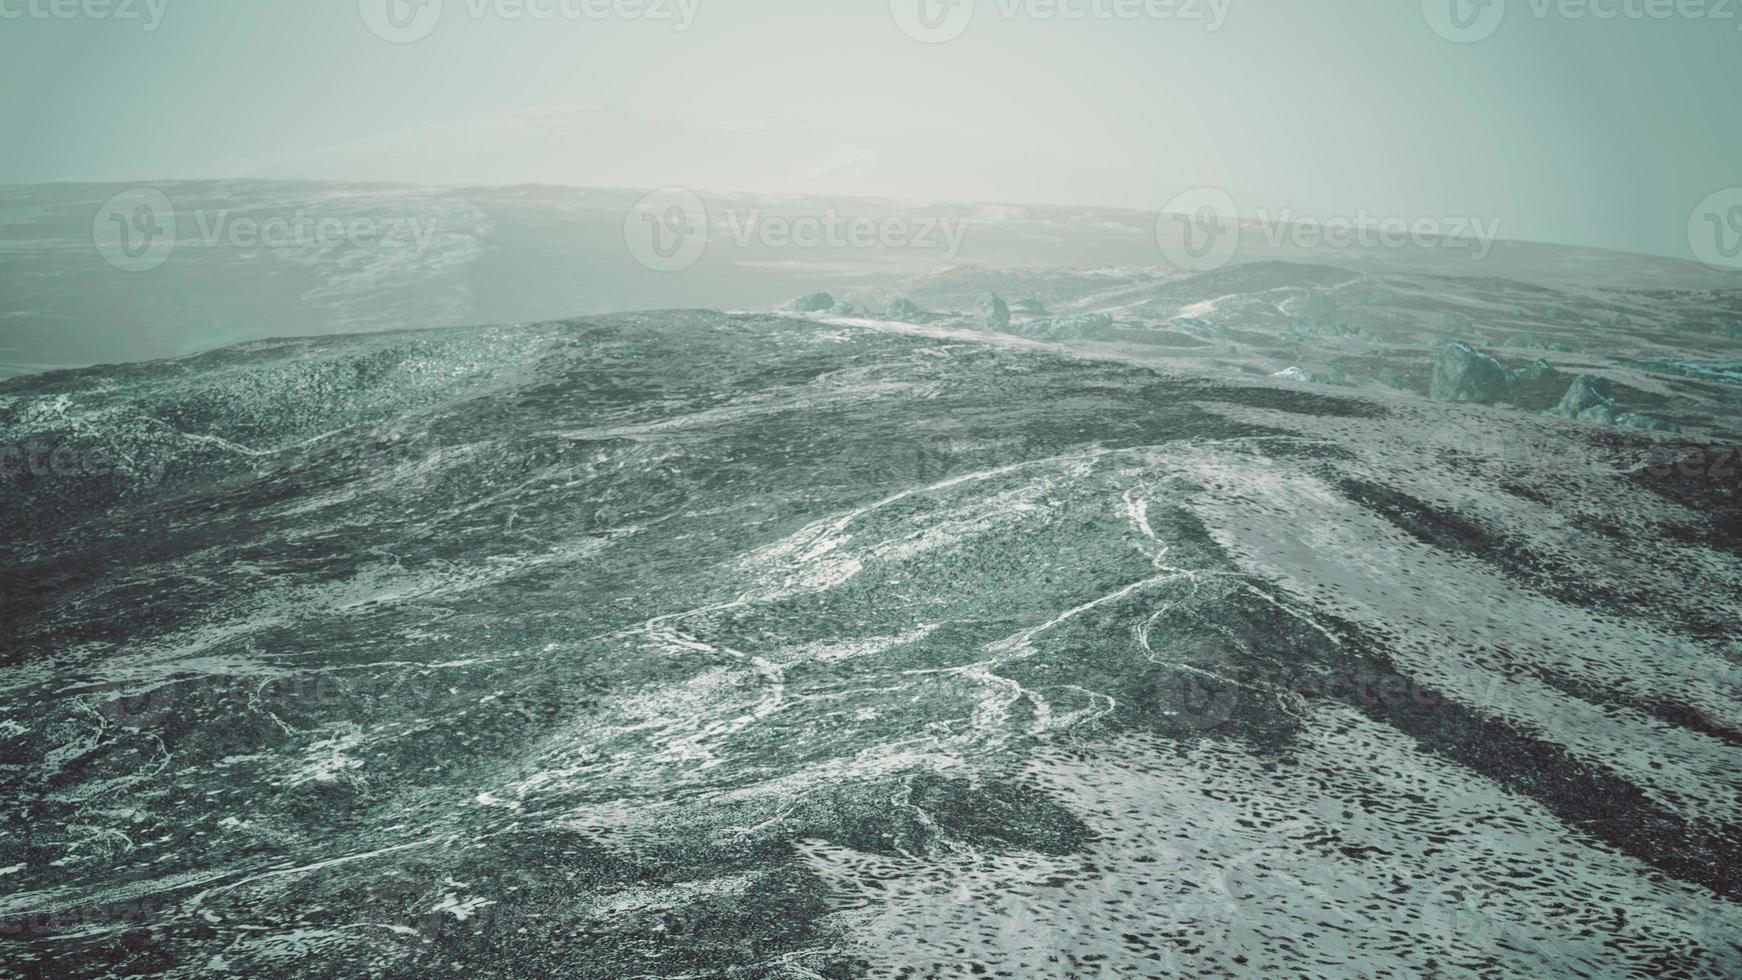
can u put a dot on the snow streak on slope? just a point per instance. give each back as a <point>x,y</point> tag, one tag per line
<point>697,645</point>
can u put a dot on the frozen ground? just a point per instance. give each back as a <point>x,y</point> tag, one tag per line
<point>765,645</point>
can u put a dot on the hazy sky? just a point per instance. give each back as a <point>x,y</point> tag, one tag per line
<point>1566,126</point>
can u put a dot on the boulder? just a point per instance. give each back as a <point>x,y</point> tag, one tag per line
<point>1299,374</point>
<point>1587,400</point>
<point>902,308</point>
<point>993,311</point>
<point>814,303</point>
<point>1464,374</point>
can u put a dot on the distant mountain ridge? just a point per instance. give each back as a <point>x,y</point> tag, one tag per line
<point>532,252</point>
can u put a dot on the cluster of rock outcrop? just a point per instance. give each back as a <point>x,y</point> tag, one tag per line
<point>1465,374</point>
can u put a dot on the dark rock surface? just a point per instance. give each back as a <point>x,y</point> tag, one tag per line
<point>700,645</point>
<point>1464,374</point>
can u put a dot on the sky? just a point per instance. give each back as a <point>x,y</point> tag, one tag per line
<point>1564,125</point>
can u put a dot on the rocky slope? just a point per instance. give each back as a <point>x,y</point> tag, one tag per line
<point>689,644</point>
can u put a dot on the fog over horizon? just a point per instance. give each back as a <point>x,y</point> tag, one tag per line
<point>1365,110</point>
